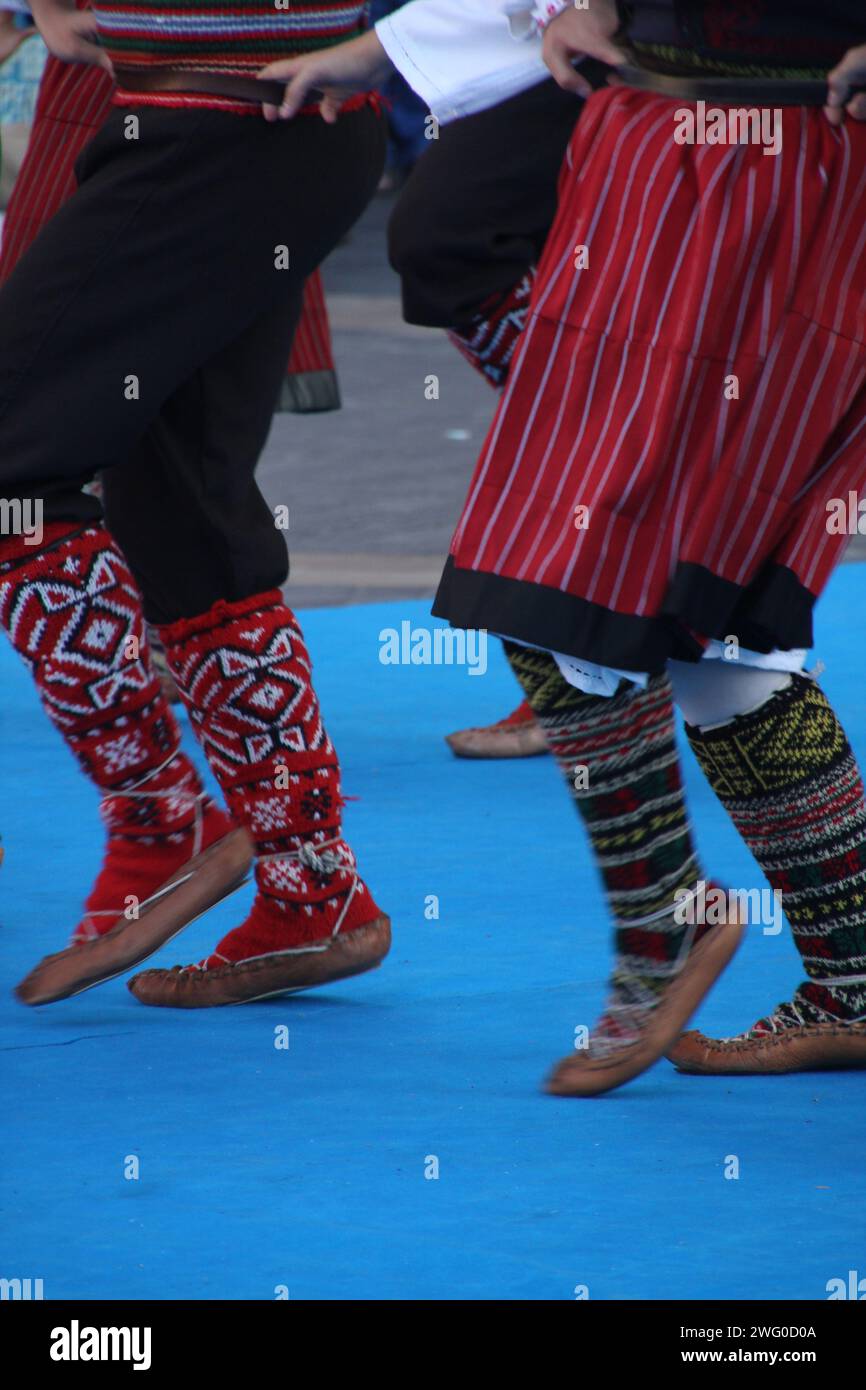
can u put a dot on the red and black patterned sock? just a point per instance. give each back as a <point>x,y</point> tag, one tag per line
<point>619,758</point>
<point>244,674</point>
<point>787,777</point>
<point>491,342</point>
<point>73,612</point>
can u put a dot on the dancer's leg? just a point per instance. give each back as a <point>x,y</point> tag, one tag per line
<point>630,799</point>
<point>162,291</point>
<point>620,760</point>
<point>73,613</point>
<point>465,236</point>
<point>245,675</point>
<point>714,691</point>
<point>472,219</point>
<point>785,772</point>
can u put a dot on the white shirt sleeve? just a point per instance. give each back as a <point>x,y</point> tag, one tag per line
<point>463,56</point>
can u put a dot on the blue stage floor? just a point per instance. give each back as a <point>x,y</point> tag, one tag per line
<point>305,1168</point>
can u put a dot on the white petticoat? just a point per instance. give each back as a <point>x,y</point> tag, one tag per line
<point>593,679</point>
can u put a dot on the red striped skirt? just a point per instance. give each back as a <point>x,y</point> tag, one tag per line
<point>73,102</point>
<point>688,396</point>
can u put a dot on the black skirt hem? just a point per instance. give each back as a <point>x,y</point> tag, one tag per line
<point>774,612</point>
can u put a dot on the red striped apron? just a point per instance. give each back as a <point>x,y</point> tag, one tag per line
<point>693,375</point>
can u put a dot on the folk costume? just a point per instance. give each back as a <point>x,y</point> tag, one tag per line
<point>144,336</point>
<point>466,236</point>
<point>686,400</point>
<point>73,102</point>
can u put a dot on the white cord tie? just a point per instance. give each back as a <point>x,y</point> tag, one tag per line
<point>328,862</point>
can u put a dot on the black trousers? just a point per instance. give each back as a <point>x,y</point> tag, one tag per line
<point>144,335</point>
<point>477,208</point>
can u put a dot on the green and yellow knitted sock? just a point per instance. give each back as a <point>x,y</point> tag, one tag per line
<point>619,757</point>
<point>787,777</point>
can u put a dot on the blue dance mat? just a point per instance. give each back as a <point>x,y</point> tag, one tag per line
<point>307,1171</point>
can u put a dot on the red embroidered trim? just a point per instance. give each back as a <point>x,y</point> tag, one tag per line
<point>221,612</point>
<point>203,101</point>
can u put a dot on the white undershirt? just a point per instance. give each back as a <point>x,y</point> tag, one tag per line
<point>463,56</point>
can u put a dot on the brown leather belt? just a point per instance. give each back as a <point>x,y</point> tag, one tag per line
<point>736,91</point>
<point>231,85</point>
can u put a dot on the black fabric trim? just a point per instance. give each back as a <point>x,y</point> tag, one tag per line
<point>547,617</point>
<point>775,611</point>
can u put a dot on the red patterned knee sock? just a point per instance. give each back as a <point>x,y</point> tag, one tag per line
<point>491,342</point>
<point>244,674</point>
<point>72,611</point>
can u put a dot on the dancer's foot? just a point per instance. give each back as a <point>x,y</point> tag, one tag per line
<point>318,923</point>
<point>518,736</point>
<point>641,1019</point>
<point>155,828</point>
<point>149,889</point>
<point>802,1034</point>
<point>262,977</point>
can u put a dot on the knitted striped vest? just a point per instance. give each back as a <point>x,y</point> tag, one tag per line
<point>221,35</point>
